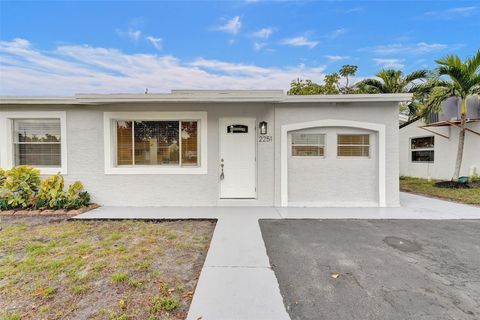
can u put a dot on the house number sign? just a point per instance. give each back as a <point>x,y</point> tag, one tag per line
<point>265,138</point>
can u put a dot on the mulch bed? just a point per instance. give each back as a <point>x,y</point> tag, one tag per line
<point>49,212</point>
<point>456,185</point>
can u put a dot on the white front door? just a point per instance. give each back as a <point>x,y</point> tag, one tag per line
<point>237,158</point>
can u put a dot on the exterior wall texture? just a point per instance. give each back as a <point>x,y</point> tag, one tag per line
<point>445,152</point>
<point>85,150</point>
<point>379,113</point>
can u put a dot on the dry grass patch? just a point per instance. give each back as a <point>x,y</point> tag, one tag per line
<point>51,268</point>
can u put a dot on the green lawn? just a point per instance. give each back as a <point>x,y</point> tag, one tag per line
<point>51,268</point>
<point>424,187</point>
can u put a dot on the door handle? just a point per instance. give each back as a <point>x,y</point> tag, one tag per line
<point>222,174</point>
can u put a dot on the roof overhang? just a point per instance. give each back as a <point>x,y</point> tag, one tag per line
<point>203,96</point>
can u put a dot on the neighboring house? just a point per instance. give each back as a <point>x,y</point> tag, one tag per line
<point>212,148</point>
<point>429,150</point>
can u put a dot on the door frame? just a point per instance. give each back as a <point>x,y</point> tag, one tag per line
<point>220,131</point>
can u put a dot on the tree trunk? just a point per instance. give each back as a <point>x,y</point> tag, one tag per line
<point>461,141</point>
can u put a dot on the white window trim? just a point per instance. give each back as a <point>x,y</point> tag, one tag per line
<point>6,142</point>
<point>421,149</point>
<point>369,145</point>
<point>110,134</point>
<point>324,146</point>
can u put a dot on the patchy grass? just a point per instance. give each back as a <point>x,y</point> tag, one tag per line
<point>51,268</point>
<point>424,187</point>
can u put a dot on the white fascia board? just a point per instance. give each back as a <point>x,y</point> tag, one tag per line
<point>98,99</point>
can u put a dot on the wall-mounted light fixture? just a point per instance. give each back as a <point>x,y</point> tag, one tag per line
<point>263,127</point>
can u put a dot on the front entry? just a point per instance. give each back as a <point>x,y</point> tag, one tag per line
<point>238,172</point>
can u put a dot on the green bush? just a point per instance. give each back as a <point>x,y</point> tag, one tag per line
<point>21,187</point>
<point>51,194</point>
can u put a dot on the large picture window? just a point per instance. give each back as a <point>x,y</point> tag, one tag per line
<point>155,142</point>
<point>168,143</point>
<point>422,149</point>
<point>353,145</point>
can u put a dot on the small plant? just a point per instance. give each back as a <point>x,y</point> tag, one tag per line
<point>164,303</point>
<point>171,236</point>
<point>18,187</point>
<point>12,316</point>
<point>51,192</point>
<point>119,277</point>
<point>80,289</point>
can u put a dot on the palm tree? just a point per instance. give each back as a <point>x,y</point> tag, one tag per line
<point>394,81</point>
<point>463,80</point>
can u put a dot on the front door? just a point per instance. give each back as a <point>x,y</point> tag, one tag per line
<point>237,158</point>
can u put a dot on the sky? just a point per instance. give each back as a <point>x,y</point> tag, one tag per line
<point>68,47</point>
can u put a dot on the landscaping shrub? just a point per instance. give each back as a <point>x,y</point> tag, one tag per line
<point>21,187</point>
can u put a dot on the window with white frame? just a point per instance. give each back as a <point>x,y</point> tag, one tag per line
<point>37,139</point>
<point>155,142</point>
<point>422,149</point>
<point>353,145</point>
<point>37,142</point>
<point>308,145</point>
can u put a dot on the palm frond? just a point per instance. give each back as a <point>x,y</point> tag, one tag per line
<point>416,75</point>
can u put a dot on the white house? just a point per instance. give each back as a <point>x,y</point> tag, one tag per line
<point>429,150</point>
<point>212,148</point>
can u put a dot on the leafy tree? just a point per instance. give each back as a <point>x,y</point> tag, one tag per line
<point>394,81</point>
<point>331,83</point>
<point>462,81</point>
<point>346,71</point>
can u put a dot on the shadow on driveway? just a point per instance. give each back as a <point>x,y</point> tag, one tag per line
<point>376,269</point>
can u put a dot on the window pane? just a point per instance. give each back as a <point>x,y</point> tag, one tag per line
<point>189,143</point>
<point>124,143</point>
<point>420,143</point>
<point>308,144</point>
<point>308,138</point>
<point>37,142</point>
<point>36,130</point>
<point>156,142</point>
<point>307,151</point>
<point>353,139</point>
<point>353,151</point>
<point>423,156</point>
<point>42,155</point>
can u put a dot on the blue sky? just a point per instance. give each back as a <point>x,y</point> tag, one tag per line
<point>62,48</point>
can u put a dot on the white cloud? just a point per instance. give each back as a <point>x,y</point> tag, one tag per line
<point>337,58</point>
<point>25,70</point>
<point>134,34</point>
<point>232,26</point>
<point>156,42</point>
<point>300,42</point>
<point>390,63</point>
<point>336,33</point>
<point>259,45</point>
<point>417,48</point>
<point>263,33</point>
<point>453,13</point>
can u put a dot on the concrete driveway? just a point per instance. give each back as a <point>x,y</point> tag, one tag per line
<point>387,269</point>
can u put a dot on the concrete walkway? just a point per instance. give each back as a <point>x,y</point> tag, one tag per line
<point>237,281</point>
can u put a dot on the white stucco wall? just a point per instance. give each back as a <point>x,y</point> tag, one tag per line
<point>314,181</point>
<point>85,145</point>
<point>385,113</point>
<point>445,152</point>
